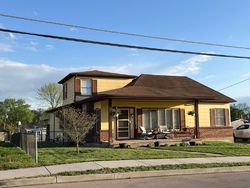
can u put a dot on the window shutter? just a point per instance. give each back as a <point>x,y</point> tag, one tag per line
<point>77,87</point>
<point>182,119</point>
<point>139,117</point>
<point>94,87</point>
<point>212,117</point>
<point>227,120</point>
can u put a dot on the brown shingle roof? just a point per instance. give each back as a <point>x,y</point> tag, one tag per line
<point>95,73</point>
<point>166,87</point>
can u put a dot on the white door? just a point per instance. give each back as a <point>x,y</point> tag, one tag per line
<point>123,124</point>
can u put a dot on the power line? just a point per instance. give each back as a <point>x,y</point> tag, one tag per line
<point>122,45</point>
<point>124,33</point>
<point>237,83</point>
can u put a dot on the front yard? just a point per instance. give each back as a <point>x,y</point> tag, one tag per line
<point>223,148</point>
<point>61,155</point>
<point>11,157</point>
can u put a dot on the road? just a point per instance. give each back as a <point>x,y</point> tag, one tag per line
<point>218,180</point>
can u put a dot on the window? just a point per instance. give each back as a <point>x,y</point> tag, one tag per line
<point>65,91</point>
<point>169,118</point>
<point>246,126</point>
<point>220,119</point>
<point>86,87</point>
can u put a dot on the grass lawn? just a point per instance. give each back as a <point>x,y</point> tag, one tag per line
<point>61,155</point>
<point>11,157</point>
<point>223,148</point>
<point>151,168</point>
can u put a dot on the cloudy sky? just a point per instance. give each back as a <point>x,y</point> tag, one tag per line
<point>28,62</point>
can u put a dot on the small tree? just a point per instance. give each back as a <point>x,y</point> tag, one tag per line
<point>76,124</point>
<point>50,93</point>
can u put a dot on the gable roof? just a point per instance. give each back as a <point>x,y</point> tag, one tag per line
<point>96,73</point>
<point>166,87</point>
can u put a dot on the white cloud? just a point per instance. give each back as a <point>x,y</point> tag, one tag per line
<point>20,80</point>
<point>49,47</point>
<point>32,46</point>
<point>73,29</point>
<point>12,36</point>
<point>6,47</point>
<point>189,66</point>
<point>246,74</point>
<point>211,76</point>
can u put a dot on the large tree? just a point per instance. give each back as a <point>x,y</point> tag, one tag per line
<point>239,111</point>
<point>14,114</point>
<point>51,94</point>
<point>76,124</point>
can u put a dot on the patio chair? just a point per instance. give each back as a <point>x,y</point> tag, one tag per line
<point>163,129</point>
<point>163,132</point>
<point>145,134</point>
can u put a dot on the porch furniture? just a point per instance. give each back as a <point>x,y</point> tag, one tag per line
<point>146,134</point>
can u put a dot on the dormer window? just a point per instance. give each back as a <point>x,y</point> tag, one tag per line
<point>86,87</point>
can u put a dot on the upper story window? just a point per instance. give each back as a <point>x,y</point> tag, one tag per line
<point>65,91</point>
<point>86,87</point>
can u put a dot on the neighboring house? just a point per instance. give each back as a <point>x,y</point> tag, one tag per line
<point>124,103</point>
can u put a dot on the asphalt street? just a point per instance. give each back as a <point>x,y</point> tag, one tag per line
<point>217,180</point>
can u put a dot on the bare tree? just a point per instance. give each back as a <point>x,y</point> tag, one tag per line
<point>50,93</point>
<point>76,124</point>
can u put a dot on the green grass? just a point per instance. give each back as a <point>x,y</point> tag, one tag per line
<point>12,157</point>
<point>151,168</point>
<point>61,155</point>
<point>223,148</point>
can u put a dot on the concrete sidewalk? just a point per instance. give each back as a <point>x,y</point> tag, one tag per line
<point>47,170</point>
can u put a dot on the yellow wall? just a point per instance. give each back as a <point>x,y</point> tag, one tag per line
<point>103,105</point>
<point>103,84</point>
<point>204,112</point>
<point>160,104</point>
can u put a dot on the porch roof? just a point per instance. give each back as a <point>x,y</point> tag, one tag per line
<point>165,88</point>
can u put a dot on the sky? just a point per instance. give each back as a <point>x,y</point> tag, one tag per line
<point>27,62</point>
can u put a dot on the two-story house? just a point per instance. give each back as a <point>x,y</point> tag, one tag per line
<point>126,104</point>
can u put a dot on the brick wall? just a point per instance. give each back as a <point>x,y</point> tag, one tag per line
<point>104,135</point>
<point>216,132</point>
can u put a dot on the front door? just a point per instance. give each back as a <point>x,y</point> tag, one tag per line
<point>123,124</point>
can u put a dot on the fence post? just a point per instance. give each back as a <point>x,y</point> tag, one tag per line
<point>36,148</point>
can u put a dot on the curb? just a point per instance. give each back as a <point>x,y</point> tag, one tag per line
<point>115,176</point>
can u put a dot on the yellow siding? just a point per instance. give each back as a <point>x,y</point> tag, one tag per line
<point>70,92</point>
<point>204,112</point>
<point>103,105</point>
<point>160,104</point>
<point>105,84</point>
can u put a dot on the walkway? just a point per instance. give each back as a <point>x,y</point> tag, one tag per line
<point>47,170</point>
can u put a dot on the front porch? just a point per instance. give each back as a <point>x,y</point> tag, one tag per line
<point>127,118</point>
